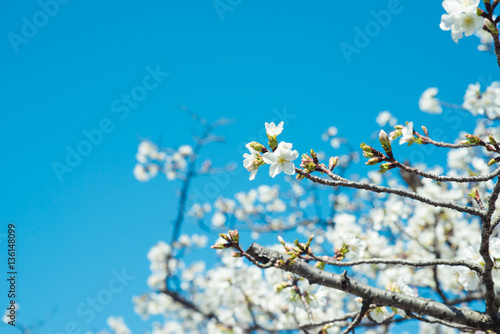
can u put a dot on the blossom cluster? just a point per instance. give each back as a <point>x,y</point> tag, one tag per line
<point>164,262</point>
<point>279,158</point>
<point>462,17</point>
<point>151,161</point>
<point>485,103</point>
<point>477,102</point>
<point>262,209</point>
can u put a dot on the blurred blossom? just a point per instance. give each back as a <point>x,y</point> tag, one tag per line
<point>428,101</point>
<point>385,117</point>
<point>117,325</point>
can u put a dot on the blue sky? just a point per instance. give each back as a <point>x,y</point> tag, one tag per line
<point>69,76</point>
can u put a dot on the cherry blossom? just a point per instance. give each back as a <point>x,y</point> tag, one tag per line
<point>429,103</point>
<point>273,130</point>
<point>407,134</point>
<point>461,18</point>
<point>495,248</point>
<point>281,159</point>
<point>252,161</point>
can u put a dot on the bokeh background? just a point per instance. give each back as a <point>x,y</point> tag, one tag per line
<point>250,61</point>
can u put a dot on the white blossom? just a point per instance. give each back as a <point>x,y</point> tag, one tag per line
<point>140,173</point>
<point>185,150</point>
<point>428,101</point>
<point>461,18</point>
<point>407,134</point>
<point>495,248</point>
<point>385,117</point>
<point>273,130</point>
<point>117,324</point>
<point>281,159</point>
<point>468,278</point>
<point>379,314</point>
<point>252,161</point>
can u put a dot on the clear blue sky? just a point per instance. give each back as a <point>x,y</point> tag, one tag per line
<point>68,76</point>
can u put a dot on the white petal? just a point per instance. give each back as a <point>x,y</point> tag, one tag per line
<point>275,169</point>
<point>288,168</point>
<point>286,146</point>
<point>270,158</point>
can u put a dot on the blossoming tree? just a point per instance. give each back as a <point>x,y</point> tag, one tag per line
<point>423,248</point>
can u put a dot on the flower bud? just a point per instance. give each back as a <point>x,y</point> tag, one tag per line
<point>373,161</point>
<point>235,236</point>
<point>279,263</point>
<point>473,193</point>
<point>309,240</point>
<point>385,142</point>
<point>395,134</point>
<point>492,140</point>
<point>368,155</point>
<point>257,146</point>
<point>280,286</point>
<point>273,142</point>
<point>384,168</point>
<point>307,163</point>
<point>220,246</point>
<point>472,139</point>
<point>332,163</point>
<point>426,132</point>
<point>366,148</point>
<point>281,240</point>
<point>314,156</point>
<point>493,161</point>
<point>320,265</point>
<point>491,27</point>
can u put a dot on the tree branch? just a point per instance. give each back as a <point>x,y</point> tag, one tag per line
<point>417,263</point>
<point>399,192</point>
<point>441,178</point>
<point>417,305</point>
<point>364,308</point>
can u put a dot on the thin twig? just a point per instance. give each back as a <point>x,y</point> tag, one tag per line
<point>364,308</point>
<point>399,192</point>
<point>442,178</point>
<point>418,263</point>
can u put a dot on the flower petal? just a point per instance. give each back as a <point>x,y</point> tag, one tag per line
<point>270,158</point>
<point>275,169</point>
<point>288,168</point>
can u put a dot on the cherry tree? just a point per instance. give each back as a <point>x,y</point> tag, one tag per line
<point>409,243</point>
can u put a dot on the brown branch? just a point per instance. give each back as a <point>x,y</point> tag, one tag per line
<point>378,296</point>
<point>418,263</point>
<point>399,192</point>
<point>442,178</point>
<point>364,308</point>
